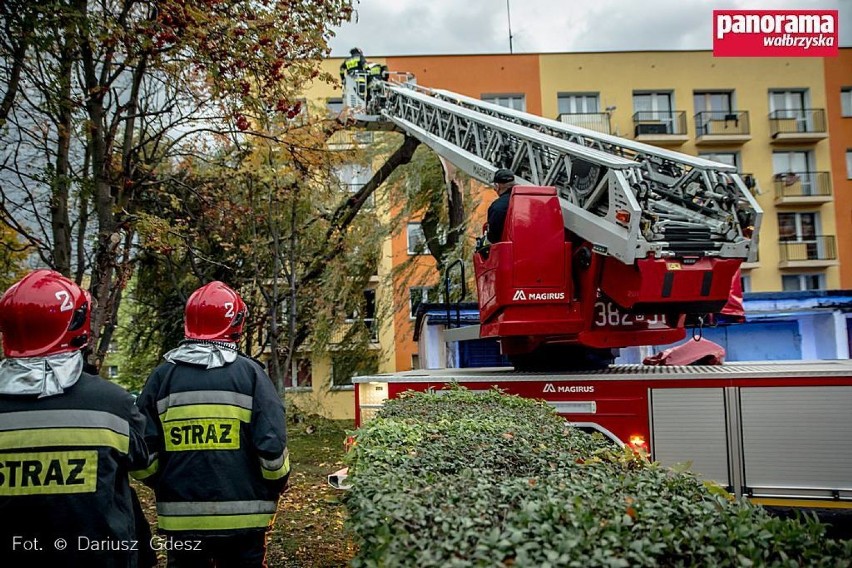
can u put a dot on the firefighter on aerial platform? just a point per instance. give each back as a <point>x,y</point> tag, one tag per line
<point>355,66</point>
<point>68,438</point>
<point>217,425</point>
<point>504,181</point>
<point>376,73</point>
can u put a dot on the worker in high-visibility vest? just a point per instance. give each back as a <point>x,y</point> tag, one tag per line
<point>68,438</point>
<point>216,424</point>
<point>353,64</point>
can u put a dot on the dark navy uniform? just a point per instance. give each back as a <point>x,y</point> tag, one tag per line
<point>220,440</point>
<point>64,464</point>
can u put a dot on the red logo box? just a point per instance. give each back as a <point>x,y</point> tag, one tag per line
<point>775,33</point>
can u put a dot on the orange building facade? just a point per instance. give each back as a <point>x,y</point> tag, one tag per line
<point>838,90</point>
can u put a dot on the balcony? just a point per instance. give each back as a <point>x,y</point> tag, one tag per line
<point>666,128</point>
<point>348,331</point>
<point>722,127</point>
<point>802,188</point>
<point>795,126</point>
<point>597,121</point>
<point>808,252</point>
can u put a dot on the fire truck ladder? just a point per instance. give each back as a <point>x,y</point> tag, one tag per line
<point>629,199</point>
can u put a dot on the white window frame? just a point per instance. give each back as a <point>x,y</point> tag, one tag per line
<point>665,116</point>
<point>714,156</point>
<point>516,101</point>
<point>797,215</point>
<point>292,380</point>
<point>706,96</point>
<point>430,294</point>
<point>802,279</point>
<point>849,164</point>
<point>578,103</point>
<point>846,102</point>
<point>353,177</point>
<point>745,282</point>
<point>412,229</point>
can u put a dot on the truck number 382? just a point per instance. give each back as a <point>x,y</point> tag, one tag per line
<point>608,314</point>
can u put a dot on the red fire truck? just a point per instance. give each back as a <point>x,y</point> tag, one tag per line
<point>651,236</point>
<point>780,433</point>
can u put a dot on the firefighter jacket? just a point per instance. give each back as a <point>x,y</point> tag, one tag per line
<point>352,65</point>
<point>218,434</point>
<point>64,464</point>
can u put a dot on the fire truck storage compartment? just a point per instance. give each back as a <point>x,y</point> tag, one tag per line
<point>761,441</point>
<point>686,420</point>
<point>797,440</point>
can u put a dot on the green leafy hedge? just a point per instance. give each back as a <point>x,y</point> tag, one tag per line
<point>464,479</point>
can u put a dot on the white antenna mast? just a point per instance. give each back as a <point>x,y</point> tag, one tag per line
<point>509,17</point>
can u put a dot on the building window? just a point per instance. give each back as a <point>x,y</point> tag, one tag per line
<point>517,102</point>
<point>344,367</point>
<point>353,177</point>
<point>798,226</point>
<point>578,103</point>
<point>112,371</point>
<point>729,158</point>
<point>798,282</point>
<point>745,283</point>
<point>416,239</point>
<point>654,102</point>
<point>714,101</point>
<point>415,361</point>
<point>653,113</point>
<point>423,295</point>
<point>300,375</point>
<point>793,101</point>
<point>334,106</point>
<point>369,314</point>
<point>848,164</point>
<point>846,101</point>
<point>791,162</point>
<point>795,167</point>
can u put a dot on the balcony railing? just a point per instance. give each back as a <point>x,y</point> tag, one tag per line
<point>598,121</point>
<point>821,247</point>
<point>341,333</point>
<point>653,123</point>
<point>722,123</point>
<point>789,123</point>
<point>802,184</point>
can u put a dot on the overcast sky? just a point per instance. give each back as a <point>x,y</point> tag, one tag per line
<point>423,27</point>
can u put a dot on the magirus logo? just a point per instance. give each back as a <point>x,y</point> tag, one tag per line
<point>775,33</point>
<point>521,296</point>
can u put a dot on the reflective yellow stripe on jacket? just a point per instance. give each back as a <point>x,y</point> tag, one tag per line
<point>215,515</point>
<point>277,468</point>
<point>63,428</point>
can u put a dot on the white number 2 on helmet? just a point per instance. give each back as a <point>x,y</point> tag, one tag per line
<point>229,306</point>
<point>65,298</point>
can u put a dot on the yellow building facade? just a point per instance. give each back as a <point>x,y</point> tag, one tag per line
<point>765,115</point>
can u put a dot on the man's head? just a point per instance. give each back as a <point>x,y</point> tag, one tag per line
<point>355,51</point>
<point>215,312</point>
<point>503,180</point>
<point>43,314</point>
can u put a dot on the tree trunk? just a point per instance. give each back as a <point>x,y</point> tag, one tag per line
<point>59,221</point>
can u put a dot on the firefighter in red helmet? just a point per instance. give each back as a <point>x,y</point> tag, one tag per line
<point>217,428</point>
<point>68,439</point>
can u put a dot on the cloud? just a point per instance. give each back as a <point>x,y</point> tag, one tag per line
<point>409,27</point>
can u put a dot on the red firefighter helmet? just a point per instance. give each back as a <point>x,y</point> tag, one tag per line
<point>215,312</point>
<point>44,313</point>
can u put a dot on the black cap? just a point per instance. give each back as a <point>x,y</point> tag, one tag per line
<point>504,176</point>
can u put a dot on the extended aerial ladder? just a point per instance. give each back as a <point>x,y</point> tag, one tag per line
<point>658,232</point>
